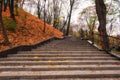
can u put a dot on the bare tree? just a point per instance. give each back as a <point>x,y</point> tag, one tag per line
<point>88,15</point>
<point>16,7</point>
<point>22,3</point>
<point>44,16</point>
<point>5,4</point>
<point>49,12</point>
<point>39,8</point>
<point>56,12</point>
<point>71,8</point>
<point>11,7</point>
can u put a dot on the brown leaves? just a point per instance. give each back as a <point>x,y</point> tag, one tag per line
<point>29,30</point>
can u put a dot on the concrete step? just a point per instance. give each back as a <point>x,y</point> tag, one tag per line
<point>59,67</point>
<point>65,61</point>
<point>49,62</point>
<point>66,79</point>
<point>36,58</point>
<point>60,74</point>
<point>53,49</point>
<point>63,52</point>
<point>66,47</point>
<point>59,55</point>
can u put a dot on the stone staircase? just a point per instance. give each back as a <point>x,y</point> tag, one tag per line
<point>67,59</point>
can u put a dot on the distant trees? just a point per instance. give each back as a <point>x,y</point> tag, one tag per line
<point>54,12</point>
<point>89,18</point>
<point>57,5</point>
<point>50,12</point>
<point>39,8</point>
<point>113,16</point>
<point>21,3</point>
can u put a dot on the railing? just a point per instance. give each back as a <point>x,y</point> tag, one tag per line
<point>95,38</point>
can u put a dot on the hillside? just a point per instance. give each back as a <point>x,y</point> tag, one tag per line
<point>28,30</point>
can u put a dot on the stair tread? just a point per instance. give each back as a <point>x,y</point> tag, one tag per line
<point>56,73</point>
<point>57,58</point>
<point>65,61</point>
<point>62,66</point>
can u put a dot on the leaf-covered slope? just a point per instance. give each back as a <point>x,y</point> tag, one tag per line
<point>29,30</point>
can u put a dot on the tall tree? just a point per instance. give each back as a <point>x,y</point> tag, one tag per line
<point>5,4</point>
<point>39,8</point>
<point>71,8</point>
<point>57,5</point>
<point>11,7</point>
<point>16,7</point>
<point>6,41</point>
<point>44,17</point>
<point>101,13</point>
<point>49,12</point>
<point>22,3</point>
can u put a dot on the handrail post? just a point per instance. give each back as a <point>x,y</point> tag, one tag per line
<point>92,37</point>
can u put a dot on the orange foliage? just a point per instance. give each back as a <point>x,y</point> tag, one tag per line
<point>29,30</point>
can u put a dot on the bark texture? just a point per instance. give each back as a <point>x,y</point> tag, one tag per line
<point>6,41</point>
<point>101,13</point>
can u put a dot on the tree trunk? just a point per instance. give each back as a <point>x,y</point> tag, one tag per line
<point>44,17</point>
<point>101,13</point>
<point>22,3</point>
<point>64,24</point>
<point>5,4</point>
<point>38,8</point>
<point>11,7</point>
<point>16,7</point>
<point>6,41</point>
<point>92,31</point>
<point>55,13</point>
<point>71,7</point>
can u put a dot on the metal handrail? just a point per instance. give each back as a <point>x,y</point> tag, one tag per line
<point>113,41</point>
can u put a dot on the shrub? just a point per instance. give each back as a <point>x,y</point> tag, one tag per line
<point>10,24</point>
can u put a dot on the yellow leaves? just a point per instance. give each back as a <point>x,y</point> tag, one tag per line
<point>57,66</point>
<point>49,61</point>
<point>36,57</point>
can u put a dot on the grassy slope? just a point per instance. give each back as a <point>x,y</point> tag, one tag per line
<point>29,30</point>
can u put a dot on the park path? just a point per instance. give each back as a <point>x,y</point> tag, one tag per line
<point>67,59</point>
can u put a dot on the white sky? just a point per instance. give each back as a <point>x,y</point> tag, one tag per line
<point>83,4</point>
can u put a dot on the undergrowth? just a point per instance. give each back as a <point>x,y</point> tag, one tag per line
<point>10,24</point>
